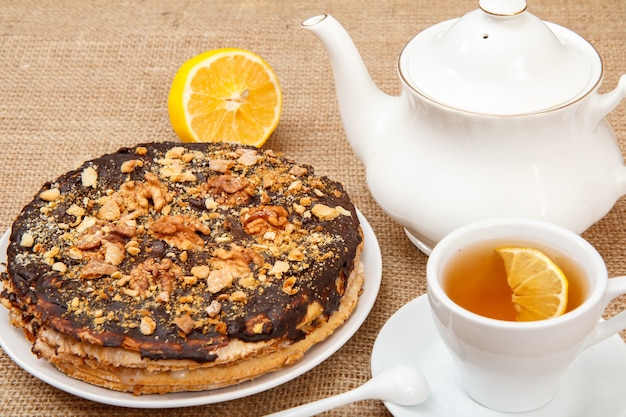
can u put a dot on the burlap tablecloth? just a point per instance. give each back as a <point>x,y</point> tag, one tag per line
<point>79,79</point>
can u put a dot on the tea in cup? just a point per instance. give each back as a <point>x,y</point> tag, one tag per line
<point>505,364</point>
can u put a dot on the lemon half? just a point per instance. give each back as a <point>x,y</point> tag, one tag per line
<point>225,95</point>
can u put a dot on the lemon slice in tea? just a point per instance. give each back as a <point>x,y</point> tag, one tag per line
<point>539,286</point>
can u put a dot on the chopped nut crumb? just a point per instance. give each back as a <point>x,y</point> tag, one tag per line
<point>147,326</point>
<point>185,323</point>
<point>59,267</point>
<point>130,165</point>
<point>218,280</point>
<point>279,268</point>
<point>295,254</point>
<point>89,177</point>
<point>50,195</point>
<point>201,271</point>
<point>238,296</point>
<point>75,210</point>
<point>220,165</point>
<point>324,212</point>
<point>214,309</point>
<point>27,240</point>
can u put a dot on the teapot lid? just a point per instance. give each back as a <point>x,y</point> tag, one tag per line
<point>500,60</point>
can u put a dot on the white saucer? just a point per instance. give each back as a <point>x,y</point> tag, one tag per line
<point>594,385</point>
<point>18,348</point>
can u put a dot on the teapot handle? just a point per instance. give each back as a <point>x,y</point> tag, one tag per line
<point>603,104</point>
<point>617,323</point>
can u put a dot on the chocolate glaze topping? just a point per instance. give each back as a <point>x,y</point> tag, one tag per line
<point>173,250</point>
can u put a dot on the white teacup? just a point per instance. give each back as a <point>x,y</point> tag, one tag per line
<point>517,366</point>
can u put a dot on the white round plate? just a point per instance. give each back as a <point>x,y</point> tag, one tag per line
<point>18,348</point>
<point>593,385</point>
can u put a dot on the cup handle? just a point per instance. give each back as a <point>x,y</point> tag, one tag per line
<point>617,323</point>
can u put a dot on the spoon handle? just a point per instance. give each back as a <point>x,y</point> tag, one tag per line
<point>316,407</point>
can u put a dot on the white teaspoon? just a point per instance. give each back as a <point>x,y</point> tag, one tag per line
<point>400,384</point>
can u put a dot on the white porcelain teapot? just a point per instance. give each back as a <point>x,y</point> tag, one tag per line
<point>499,115</point>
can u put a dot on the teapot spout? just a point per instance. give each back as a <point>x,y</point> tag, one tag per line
<point>361,104</point>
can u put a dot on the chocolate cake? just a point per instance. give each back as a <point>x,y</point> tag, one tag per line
<point>171,267</point>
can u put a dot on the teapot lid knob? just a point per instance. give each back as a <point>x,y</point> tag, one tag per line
<point>503,7</point>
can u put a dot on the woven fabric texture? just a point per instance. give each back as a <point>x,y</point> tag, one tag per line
<point>80,79</point>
